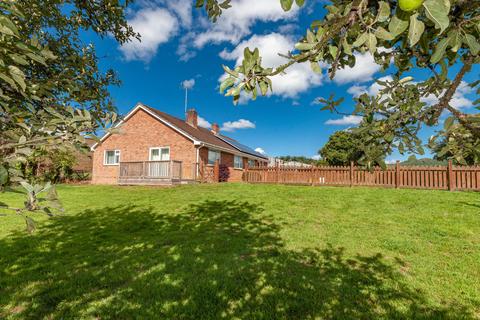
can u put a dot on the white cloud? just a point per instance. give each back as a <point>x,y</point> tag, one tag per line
<point>236,23</point>
<point>372,90</point>
<point>260,150</point>
<point>288,28</point>
<point>188,84</point>
<point>156,26</point>
<point>357,90</point>
<point>183,9</point>
<point>459,99</point>
<point>345,120</point>
<point>391,161</point>
<point>317,157</point>
<point>184,51</point>
<point>363,71</point>
<point>298,78</point>
<point>202,122</point>
<point>239,124</point>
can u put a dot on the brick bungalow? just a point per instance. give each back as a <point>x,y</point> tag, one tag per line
<point>152,147</point>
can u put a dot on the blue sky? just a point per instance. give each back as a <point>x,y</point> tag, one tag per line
<point>179,43</point>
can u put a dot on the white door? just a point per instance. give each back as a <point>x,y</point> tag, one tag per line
<point>159,167</point>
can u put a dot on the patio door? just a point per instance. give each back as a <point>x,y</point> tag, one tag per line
<point>159,165</point>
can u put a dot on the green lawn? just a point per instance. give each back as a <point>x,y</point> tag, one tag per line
<point>244,251</point>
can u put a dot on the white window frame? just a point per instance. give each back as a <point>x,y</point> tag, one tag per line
<point>235,157</point>
<point>219,156</point>
<point>159,152</point>
<point>116,153</point>
<point>251,161</point>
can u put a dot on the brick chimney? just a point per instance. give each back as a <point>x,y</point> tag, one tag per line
<point>215,128</point>
<point>192,118</point>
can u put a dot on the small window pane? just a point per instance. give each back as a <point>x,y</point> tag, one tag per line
<point>238,162</point>
<point>251,163</point>
<point>154,154</point>
<point>165,154</point>
<point>160,154</point>
<point>112,157</point>
<point>213,156</point>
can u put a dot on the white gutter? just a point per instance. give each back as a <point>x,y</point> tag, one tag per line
<point>197,151</point>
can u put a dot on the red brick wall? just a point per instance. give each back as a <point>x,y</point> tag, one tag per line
<point>235,175</point>
<point>139,133</point>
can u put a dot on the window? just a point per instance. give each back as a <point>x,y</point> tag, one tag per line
<point>251,163</point>
<point>213,156</point>
<point>238,162</point>
<point>160,154</point>
<point>112,157</point>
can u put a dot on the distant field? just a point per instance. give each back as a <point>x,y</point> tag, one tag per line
<point>244,251</point>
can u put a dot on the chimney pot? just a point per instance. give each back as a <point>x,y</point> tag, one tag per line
<point>192,118</point>
<point>215,128</point>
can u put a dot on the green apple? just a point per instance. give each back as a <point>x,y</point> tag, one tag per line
<point>410,5</point>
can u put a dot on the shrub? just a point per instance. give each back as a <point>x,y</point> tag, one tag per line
<point>224,173</point>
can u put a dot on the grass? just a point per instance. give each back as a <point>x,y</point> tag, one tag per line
<point>244,251</point>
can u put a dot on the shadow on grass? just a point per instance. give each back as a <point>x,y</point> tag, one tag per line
<point>471,204</point>
<point>216,259</point>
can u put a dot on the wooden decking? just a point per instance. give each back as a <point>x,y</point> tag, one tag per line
<point>152,173</point>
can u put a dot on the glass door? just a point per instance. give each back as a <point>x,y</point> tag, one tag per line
<point>159,165</point>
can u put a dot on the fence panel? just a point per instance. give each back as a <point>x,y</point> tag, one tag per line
<point>394,176</point>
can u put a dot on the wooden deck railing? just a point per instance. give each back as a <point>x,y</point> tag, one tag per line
<point>151,170</point>
<point>395,176</point>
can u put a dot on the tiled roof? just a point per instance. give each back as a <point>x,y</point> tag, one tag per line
<point>205,135</point>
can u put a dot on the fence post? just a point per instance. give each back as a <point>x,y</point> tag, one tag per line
<point>397,174</point>
<point>277,173</point>
<point>312,175</point>
<point>351,173</point>
<point>451,184</point>
<point>216,172</point>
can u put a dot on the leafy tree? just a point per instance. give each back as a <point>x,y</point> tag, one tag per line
<point>341,148</point>
<point>52,92</point>
<point>49,164</point>
<point>413,161</point>
<point>439,36</point>
<point>456,143</point>
<point>302,159</point>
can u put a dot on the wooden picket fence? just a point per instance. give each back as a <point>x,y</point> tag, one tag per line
<point>395,176</point>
